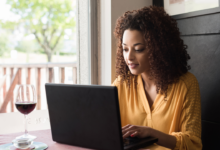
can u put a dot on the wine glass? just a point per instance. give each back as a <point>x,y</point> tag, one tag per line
<point>25,103</point>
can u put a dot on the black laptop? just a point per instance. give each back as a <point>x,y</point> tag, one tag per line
<point>88,116</point>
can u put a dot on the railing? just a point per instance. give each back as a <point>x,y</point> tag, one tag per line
<point>36,74</point>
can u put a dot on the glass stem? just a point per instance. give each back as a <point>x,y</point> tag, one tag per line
<point>25,132</point>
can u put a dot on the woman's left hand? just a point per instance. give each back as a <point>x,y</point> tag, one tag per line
<point>136,131</point>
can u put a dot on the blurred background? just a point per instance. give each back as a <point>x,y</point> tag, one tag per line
<point>37,45</point>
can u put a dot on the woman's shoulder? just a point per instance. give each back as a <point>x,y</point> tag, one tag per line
<point>119,81</point>
<point>188,79</point>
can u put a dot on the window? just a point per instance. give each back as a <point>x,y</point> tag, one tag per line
<point>29,27</point>
<point>38,44</point>
<point>38,38</point>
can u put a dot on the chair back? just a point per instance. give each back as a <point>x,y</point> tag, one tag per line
<point>201,34</point>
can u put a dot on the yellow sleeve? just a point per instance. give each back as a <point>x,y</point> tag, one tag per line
<point>189,137</point>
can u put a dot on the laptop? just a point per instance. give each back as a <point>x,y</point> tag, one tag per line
<point>88,116</point>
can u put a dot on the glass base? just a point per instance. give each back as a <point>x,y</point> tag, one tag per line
<point>26,136</point>
<point>22,143</point>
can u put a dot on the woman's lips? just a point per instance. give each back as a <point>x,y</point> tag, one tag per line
<point>132,66</point>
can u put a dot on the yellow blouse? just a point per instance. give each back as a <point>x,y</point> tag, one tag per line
<point>178,115</point>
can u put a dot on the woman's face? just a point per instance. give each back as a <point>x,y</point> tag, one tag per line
<point>135,52</point>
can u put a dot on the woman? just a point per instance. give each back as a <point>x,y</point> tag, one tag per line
<point>158,97</point>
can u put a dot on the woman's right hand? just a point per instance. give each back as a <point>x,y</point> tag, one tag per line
<point>136,131</point>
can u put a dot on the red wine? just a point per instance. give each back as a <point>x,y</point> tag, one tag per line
<point>25,107</point>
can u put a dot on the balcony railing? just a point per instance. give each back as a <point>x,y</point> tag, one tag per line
<point>36,74</point>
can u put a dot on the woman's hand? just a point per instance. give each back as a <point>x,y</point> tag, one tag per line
<point>164,139</point>
<point>136,131</point>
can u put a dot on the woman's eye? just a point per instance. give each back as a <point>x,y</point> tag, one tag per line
<point>125,50</point>
<point>139,50</point>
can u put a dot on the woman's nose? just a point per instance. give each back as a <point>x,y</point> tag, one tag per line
<point>130,55</point>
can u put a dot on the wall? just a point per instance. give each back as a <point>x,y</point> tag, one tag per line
<point>104,42</point>
<point>83,60</point>
<point>118,7</point>
<point>109,11</point>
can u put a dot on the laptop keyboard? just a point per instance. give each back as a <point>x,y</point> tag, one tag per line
<point>130,140</point>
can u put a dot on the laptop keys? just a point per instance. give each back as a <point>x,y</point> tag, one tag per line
<point>130,140</point>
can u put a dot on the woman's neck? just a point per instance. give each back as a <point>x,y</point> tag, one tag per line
<point>147,81</point>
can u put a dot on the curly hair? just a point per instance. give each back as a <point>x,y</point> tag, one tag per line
<point>167,52</point>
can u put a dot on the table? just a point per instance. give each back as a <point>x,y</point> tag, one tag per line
<point>45,137</point>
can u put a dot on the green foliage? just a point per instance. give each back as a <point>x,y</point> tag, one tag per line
<point>4,44</point>
<point>64,54</point>
<point>46,19</point>
<point>28,46</point>
<point>35,14</point>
